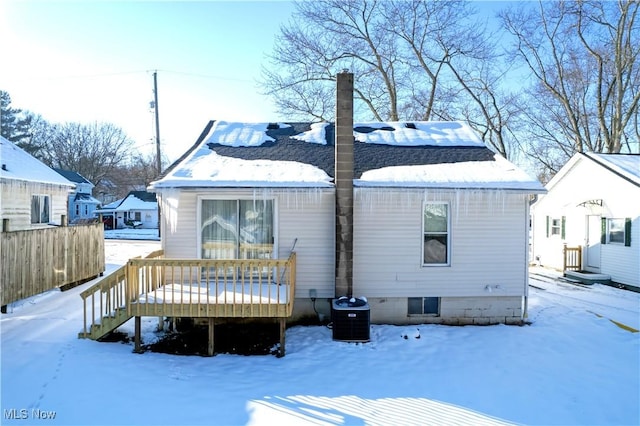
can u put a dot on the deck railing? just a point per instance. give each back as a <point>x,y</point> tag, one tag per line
<point>571,258</point>
<point>240,288</point>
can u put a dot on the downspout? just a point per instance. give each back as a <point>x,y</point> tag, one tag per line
<point>527,221</point>
<point>344,184</point>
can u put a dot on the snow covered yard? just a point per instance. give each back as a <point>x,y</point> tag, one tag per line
<point>572,365</point>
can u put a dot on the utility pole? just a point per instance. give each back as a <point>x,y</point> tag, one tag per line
<point>155,104</point>
<point>158,158</point>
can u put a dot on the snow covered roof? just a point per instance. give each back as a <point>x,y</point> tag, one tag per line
<point>20,165</point>
<point>87,198</point>
<point>625,165</point>
<point>138,200</point>
<point>135,200</point>
<point>391,154</point>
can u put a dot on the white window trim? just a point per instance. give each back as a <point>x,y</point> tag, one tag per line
<point>42,196</point>
<point>435,265</point>
<point>619,243</point>
<point>231,197</point>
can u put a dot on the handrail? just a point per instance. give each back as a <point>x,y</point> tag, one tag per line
<point>110,295</point>
<point>571,258</point>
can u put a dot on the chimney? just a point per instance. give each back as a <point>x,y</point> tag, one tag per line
<point>344,184</point>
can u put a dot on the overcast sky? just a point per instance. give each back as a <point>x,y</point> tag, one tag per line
<point>89,60</point>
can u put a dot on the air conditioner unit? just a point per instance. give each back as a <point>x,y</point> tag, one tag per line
<point>351,319</point>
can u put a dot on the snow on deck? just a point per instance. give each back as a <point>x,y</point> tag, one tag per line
<point>226,293</point>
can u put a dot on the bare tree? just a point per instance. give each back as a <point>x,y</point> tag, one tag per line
<point>583,58</point>
<point>325,37</point>
<point>412,60</point>
<point>93,150</point>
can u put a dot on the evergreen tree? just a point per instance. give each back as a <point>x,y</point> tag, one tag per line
<point>15,125</point>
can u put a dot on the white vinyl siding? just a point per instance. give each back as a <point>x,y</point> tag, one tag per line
<point>303,214</point>
<point>612,197</point>
<point>16,202</point>
<point>621,262</point>
<point>488,244</point>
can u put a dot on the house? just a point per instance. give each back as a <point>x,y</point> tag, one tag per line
<point>139,209</point>
<point>81,203</point>
<point>593,204</point>
<point>33,195</point>
<point>419,218</point>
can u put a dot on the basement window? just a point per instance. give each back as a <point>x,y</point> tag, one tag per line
<point>424,306</point>
<point>40,209</point>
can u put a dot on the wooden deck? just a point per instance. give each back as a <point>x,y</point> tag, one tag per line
<point>191,288</point>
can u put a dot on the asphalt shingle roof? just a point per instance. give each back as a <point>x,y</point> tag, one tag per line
<point>367,156</point>
<point>72,176</point>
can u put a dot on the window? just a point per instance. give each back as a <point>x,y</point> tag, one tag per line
<point>40,209</point>
<point>615,231</point>
<point>138,216</point>
<point>436,234</point>
<point>556,227</point>
<point>237,229</point>
<point>424,306</point>
<point>77,209</point>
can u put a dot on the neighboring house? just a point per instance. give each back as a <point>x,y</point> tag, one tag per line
<point>593,202</point>
<point>421,218</point>
<point>81,203</point>
<point>139,209</point>
<point>33,195</point>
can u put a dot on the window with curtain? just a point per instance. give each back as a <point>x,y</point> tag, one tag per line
<point>40,209</point>
<point>237,229</point>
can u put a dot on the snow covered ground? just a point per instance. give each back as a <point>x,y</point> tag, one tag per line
<point>132,234</point>
<point>572,365</point>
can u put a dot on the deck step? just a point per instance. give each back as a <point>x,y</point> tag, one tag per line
<point>107,324</point>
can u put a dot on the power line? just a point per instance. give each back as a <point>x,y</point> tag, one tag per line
<point>208,76</point>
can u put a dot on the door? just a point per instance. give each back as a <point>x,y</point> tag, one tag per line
<point>593,241</point>
<point>237,229</point>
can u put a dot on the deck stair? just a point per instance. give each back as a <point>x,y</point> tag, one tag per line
<point>107,324</point>
<point>105,306</point>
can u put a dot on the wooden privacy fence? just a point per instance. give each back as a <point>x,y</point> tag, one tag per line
<point>572,258</point>
<point>34,261</point>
